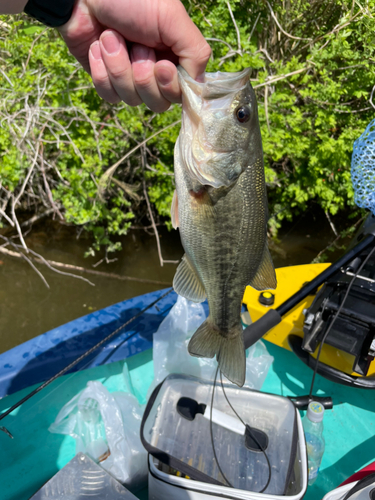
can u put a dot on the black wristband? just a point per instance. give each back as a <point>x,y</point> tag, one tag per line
<point>52,13</point>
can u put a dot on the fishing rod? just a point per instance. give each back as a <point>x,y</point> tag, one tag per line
<point>80,358</point>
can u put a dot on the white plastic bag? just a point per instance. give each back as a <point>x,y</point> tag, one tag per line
<point>170,353</point>
<point>106,427</point>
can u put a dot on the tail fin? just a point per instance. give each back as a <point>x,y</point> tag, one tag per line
<point>230,352</point>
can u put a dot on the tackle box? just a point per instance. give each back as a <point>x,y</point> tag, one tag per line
<point>177,432</point>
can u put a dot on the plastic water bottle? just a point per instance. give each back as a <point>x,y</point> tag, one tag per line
<point>313,427</point>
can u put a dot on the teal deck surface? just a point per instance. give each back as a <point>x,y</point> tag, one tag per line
<point>35,455</point>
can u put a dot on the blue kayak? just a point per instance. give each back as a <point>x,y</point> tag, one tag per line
<point>42,357</point>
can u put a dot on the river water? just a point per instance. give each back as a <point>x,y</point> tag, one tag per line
<point>28,308</point>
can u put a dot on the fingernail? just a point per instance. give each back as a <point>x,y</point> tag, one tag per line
<point>164,75</point>
<point>200,78</point>
<point>95,51</point>
<point>140,53</point>
<point>110,43</point>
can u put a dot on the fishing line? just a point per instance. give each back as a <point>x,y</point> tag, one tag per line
<point>247,427</point>
<point>251,434</point>
<point>211,433</point>
<point>335,317</point>
<point>83,356</point>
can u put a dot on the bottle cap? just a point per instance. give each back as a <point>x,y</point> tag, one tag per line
<point>315,411</point>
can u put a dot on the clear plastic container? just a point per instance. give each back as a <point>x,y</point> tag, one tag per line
<point>315,444</point>
<point>190,441</point>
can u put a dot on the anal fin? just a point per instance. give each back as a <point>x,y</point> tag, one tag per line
<point>265,277</point>
<point>187,282</point>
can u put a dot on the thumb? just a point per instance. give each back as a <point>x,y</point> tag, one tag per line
<point>178,32</point>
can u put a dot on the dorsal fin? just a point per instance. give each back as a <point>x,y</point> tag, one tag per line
<point>187,283</point>
<point>265,277</point>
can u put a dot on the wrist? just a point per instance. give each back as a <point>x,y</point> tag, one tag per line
<point>53,14</point>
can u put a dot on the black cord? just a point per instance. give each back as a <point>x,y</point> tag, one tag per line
<point>251,434</point>
<point>246,427</point>
<point>211,433</point>
<point>335,317</point>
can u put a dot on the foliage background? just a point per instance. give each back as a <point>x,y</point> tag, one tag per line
<point>313,72</point>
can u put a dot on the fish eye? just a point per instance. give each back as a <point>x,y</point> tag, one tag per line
<point>243,114</point>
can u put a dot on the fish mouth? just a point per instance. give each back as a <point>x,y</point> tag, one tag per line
<point>215,85</point>
<point>206,163</point>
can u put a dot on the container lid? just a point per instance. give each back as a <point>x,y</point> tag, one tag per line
<point>176,430</point>
<point>315,411</point>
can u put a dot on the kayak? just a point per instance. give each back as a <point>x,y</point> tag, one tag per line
<point>34,454</point>
<point>42,357</point>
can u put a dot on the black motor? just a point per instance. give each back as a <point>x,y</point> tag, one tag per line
<point>354,329</point>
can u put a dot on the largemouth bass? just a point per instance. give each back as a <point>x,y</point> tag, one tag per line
<point>220,207</point>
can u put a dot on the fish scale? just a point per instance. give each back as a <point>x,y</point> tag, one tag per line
<point>221,211</point>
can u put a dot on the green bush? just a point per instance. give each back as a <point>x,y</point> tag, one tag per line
<point>313,72</point>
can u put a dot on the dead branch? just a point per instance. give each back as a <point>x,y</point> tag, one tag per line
<point>236,27</point>
<point>52,263</point>
<point>162,261</point>
<point>280,27</point>
<point>254,26</point>
<point>29,261</point>
<point>107,176</point>
<point>371,96</point>
<point>266,107</point>
<point>36,218</point>
<point>44,261</point>
<point>16,223</point>
<point>221,41</point>
<point>270,81</point>
<point>3,214</point>
<point>331,223</point>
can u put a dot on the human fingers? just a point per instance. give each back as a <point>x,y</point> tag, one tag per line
<point>167,80</point>
<point>100,76</point>
<point>80,32</point>
<point>118,66</point>
<point>178,32</point>
<point>143,63</point>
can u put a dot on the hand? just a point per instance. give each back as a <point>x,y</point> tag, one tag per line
<point>135,59</point>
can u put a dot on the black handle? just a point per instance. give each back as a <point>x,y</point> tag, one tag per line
<point>165,457</point>
<point>311,287</point>
<point>302,402</point>
<point>255,331</point>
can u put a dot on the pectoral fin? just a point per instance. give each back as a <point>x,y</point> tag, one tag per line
<point>174,210</point>
<point>265,277</point>
<point>187,282</point>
